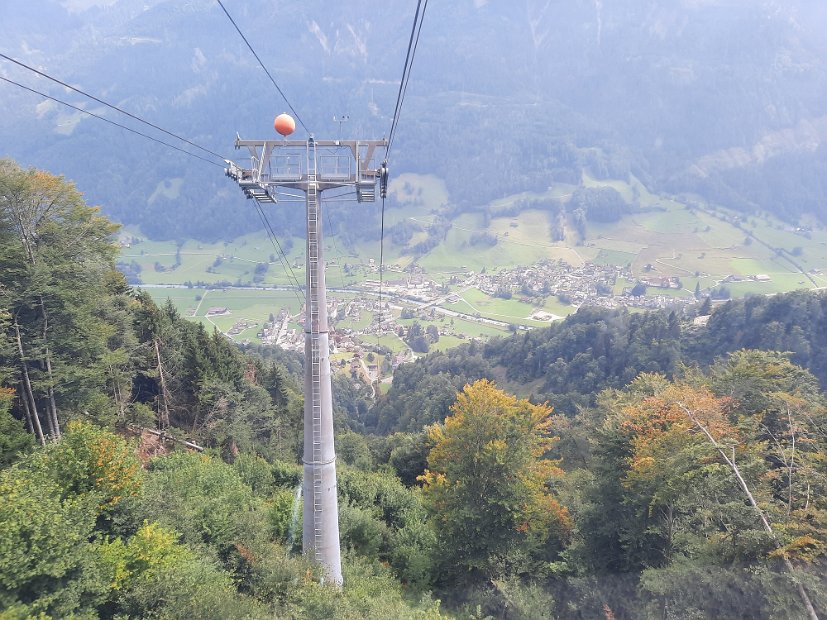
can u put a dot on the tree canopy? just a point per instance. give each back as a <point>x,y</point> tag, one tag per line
<point>149,468</point>
<point>487,484</point>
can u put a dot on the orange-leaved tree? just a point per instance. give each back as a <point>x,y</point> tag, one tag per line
<point>693,454</point>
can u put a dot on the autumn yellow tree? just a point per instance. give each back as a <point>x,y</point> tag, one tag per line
<point>488,486</point>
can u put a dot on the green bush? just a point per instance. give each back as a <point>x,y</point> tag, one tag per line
<point>91,460</point>
<point>413,554</point>
<point>256,473</point>
<point>361,530</point>
<point>286,474</point>
<point>206,501</point>
<point>47,562</point>
<point>280,515</point>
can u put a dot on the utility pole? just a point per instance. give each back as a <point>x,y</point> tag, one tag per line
<point>295,164</point>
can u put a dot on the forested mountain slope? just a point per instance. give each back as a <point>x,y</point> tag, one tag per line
<point>570,362</point>
<point>725,99</point>
<point>694,492</point>
<point>79,343</point>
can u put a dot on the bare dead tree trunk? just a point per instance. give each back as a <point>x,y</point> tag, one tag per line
<point>51,410</point>
<point>165,437</point>
<point>117,394</point>
<point>28,393</point>
<point>28,238</point>
<point>55,423</point>
<point>802,593</point>
<point>163,406</point>
<point>26,411</point>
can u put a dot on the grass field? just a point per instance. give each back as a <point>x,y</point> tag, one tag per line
<point>474,301</point>
<point>701,244</point>
<point>391,342</point>
<point>614,257</point>
<point>473,329</point>
<point>521,240</point>
<point>251,305</point>
<point>185,300</point>
<point>365,319</point>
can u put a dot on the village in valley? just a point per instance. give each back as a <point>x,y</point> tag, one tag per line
<point>408,311</point>
<point>452,277</point>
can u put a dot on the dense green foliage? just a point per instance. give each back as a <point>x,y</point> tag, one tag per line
<point>188,537</point>
<point>681,530</point>
<point>486,486</point>
<point>87,531</point>
<point>76,342</point>
<point>681,475</point>
<point>57,261</point>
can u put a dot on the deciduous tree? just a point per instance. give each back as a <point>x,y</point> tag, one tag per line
<point>57,260</point>
<point>487,483</point>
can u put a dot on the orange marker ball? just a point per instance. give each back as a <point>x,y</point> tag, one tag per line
<point>284,124</point>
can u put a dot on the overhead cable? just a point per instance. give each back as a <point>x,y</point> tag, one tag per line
<point>285,262</point>
<point>111,122</point>
<point>339,254</point>
<point>381,262</point>
<point>109,105</point>
<point>413,43</point>
<point>292,109</point>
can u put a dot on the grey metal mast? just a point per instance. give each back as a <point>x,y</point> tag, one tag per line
<point>295,164</point>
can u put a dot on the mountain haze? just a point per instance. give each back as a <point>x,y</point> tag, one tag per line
<point>724,99</point>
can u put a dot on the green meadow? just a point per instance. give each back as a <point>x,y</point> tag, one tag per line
<point>661,236</point>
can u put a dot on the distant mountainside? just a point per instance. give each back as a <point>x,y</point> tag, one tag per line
<point>726,99</point>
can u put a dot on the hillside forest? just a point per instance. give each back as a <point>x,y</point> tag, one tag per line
<point>615,465</point>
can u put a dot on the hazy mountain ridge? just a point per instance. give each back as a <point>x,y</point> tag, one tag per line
<point>724,99</point>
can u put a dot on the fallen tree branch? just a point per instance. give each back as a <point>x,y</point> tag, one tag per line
<point>166,436</point>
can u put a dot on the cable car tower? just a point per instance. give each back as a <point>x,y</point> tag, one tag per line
<point>297,164</point>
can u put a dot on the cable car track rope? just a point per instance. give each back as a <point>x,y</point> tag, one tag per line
<point>285,262</point>
<point>268,228</point>
<point>108,105</point>
<point>413,44</point>
<point>111,122</point>
<point>289,105</point>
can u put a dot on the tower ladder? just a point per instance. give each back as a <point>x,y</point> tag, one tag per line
<point>313,266</point>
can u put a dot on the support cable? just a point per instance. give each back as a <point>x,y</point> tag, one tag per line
<point>108,105</point>
<point>332,237</point>
<point>106,120</point>
<point>283,96</point>
<point>413,44</point>
<point>381,263</point>
<point>283,259</point>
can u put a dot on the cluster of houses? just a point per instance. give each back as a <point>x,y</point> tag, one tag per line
<point>413,293</point>
<point>590,285</point>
